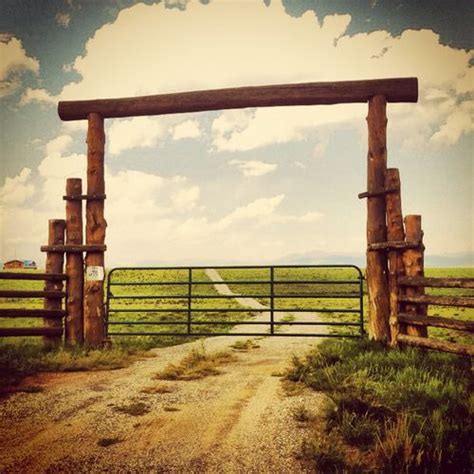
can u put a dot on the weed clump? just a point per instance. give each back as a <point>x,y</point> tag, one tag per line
<point>197,364</point>
<point>133,409</point>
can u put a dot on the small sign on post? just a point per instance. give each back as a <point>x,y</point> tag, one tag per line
<point>94,273</point>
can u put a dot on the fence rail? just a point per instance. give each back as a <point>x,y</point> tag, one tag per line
<point>53,331</point>
<point>414,319</point>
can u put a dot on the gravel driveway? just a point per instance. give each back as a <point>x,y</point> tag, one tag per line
<point>240,421</point>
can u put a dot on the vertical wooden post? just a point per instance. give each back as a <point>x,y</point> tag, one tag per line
<point>94,312</point>
<point>395,232</point>
<point>413,261</point>
<point>74,327</point>
<point>54,264</point>
<point>377,278</point>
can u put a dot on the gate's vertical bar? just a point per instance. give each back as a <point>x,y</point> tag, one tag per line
<point>190,293</point>
<point>361,302</point>
<point>272,301</point>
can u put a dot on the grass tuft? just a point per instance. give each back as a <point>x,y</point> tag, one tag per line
<point>197,364</point>
<point>104,442</point>
<point>244,346</point>
<point>399,411</point>
<point>133,409</point>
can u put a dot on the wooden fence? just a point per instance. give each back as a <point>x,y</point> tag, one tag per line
<point>403,256</point>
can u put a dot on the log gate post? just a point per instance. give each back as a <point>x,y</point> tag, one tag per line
<point>74,327</point>
<point>377,270</point>
<point>395,232</point>
<point>413,261</point>
<point>54,264</point>
<point>94,311</point>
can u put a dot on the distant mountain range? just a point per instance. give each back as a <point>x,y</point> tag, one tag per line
<point>321,258</point>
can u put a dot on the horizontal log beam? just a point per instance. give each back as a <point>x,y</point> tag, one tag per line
<point>394,245</point>
<point>461,301</point>
<point>379,192</point>
<point>31,294</point>
<point>437,282</point>
<point>313,93</point>
<point>437,344</point>
<point>73,248</point>
<point>21,332</point>
<point>32,276</point>
<point>32,313</point>
<point>85,197</point>
<point>436,321</point>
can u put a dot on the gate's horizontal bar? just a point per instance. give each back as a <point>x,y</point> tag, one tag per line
<point>232,323</point>
<point>230,310</point>
<point>237,282</point>
<point>235,267</point>
<point>210,334</point>
<point>203,297</point>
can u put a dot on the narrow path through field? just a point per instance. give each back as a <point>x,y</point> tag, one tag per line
<point>239,421</point>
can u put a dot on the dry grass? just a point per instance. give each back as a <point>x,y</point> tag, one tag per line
<point>244,346</point>
<point>197,364</point>
<point>134,409</point>
<point>104,442</point>
<point>158,389</point>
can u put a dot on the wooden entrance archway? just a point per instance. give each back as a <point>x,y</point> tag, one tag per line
<point>379,183</point>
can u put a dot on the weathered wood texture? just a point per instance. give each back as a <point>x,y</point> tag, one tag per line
<point>54,264</point>
<point>423,300</point>
<point>74,324</point>
<point>32,276</point>
<point>31,294</point>
<point>392,245</point>
<point>437,344</point>
<point>94,311</point>
<point>49,333</point>
<point>73,248</point>
<point>378,192</point>
<point>313,93</point>
<point>437,282</point>
<point>413,262</point>
<point>32,313</point>
<point>395,233</point>
<point>377,270</point>
<point>436,321</point>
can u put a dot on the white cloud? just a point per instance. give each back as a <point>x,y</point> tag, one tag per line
<point>17,190</point>
<point>135,132</point>
<point>273,40</point>
<point>256,210</point>
<point>14,61</point>
<point>185,199</point>
<point>63,19</point>
<point>254,168</point>
<point>187,129</point>
<point>41,96</point>
<point>58,145</point>
<point>320,149</point>
<point>459,122</point>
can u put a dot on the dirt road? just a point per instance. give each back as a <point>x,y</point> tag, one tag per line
<point>239,421</point>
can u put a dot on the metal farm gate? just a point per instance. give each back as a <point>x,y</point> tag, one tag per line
<point>314,300</point>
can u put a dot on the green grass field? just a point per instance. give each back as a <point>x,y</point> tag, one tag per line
<point>330,296</point>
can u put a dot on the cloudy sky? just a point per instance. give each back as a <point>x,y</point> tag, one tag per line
<point>247,186</point>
